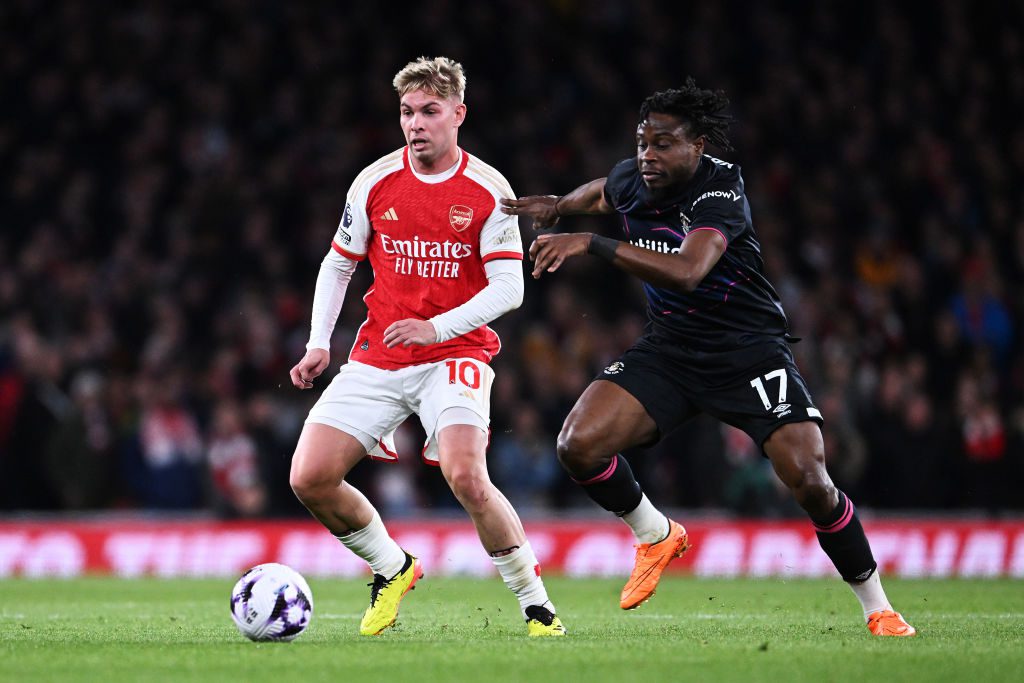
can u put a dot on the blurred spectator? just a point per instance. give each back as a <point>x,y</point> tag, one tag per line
<point>234,465</point>
<point>166,469</point>
<point>523,464</point>
<point>985,440</point>
<point>80,453</point>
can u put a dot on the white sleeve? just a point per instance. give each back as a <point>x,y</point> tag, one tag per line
<point>331,283</point>
<point>353,234</point>
<point>500,237</point>
<point>503,293</point>
<point>347,248</point>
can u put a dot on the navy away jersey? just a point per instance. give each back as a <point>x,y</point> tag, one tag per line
<point>735,302</point>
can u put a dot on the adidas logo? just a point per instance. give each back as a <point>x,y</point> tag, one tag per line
<point>389,215</point>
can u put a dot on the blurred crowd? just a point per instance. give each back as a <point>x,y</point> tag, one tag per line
<point>171,175</point>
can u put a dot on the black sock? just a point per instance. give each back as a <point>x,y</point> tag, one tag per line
<point>842,538</point>
<point>613,487</point>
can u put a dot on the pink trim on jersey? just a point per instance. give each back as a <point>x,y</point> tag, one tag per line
<point>601,477</point>
<point>841,523</point>
<point>494,255</point>
<point>667,229</point>
<point>708,227</point>
<point>347,254</point>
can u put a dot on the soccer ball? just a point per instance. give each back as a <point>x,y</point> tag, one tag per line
<point>271,602</point>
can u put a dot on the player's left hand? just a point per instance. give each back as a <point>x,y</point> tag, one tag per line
<point>548,252</point>
<point>408,332</point>
<point>541,208</point>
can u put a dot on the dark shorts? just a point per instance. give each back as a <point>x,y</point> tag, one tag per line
<point>756,387</point>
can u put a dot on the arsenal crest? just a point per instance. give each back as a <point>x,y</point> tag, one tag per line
<point>460,217</point>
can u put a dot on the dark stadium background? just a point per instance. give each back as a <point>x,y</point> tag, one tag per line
<point>171,175</point>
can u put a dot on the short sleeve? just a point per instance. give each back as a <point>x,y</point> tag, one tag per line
<point>721,206</point>
<point>500,238</point>
<point>620,187</point>
<point>353,234</point>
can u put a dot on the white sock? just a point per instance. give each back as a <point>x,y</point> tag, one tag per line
<point>648,525</point>
<point>872,597</point>
<point>521,573</point>
<point>373,544</point>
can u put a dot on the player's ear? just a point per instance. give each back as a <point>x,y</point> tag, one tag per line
<point>460,113</point>
<point>698,145</point>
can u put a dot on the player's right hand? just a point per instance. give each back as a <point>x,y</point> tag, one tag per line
<point>541,208</point>
<point>309,368</point>
<point>549,252</point>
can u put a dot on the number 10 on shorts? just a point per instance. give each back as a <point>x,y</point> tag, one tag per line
<point>465,372</point>
<point>779,374</point>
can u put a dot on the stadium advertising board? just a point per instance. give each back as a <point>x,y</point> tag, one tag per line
<point>720,549</point>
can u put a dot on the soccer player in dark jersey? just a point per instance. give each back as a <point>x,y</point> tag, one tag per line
<point>716,341</point>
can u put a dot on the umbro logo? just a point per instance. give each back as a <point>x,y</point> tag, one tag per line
<point>864,576</point>
<point>390,215</point>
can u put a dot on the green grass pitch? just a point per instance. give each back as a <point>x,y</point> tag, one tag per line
<point>110,630</point>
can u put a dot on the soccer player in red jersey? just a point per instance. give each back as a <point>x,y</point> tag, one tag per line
<point>717,341</point>
<point>446,262</point>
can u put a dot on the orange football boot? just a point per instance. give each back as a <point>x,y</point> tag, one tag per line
<point>889,623</point>
<point>651,560</point>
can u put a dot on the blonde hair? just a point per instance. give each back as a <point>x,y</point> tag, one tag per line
<point>440,76</point>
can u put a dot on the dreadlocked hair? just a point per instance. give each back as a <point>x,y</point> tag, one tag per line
<point>703,111</point>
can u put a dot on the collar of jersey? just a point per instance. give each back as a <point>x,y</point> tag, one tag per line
<point>434,178</point>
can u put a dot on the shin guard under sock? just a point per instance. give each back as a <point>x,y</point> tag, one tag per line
<point>842,538</point>
<point>613,487</point>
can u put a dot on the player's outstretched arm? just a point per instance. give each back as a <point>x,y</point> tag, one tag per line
<point>309,368</point>
<point>545,210</point>
<point>681,272</point>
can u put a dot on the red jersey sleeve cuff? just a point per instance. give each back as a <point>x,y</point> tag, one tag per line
<point>347,254</point>
<point>494,255</point>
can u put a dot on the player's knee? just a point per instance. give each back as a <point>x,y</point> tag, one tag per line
<point>814,490</point>
<point>308,485</point>
<point>579,450</point>
<point>471,488</point>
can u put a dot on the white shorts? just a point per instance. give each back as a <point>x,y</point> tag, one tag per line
<point>369,403</point>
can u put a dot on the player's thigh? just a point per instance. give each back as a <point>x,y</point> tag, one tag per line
<point>363,404</point>
<point>454,392</point>
<point>606,418</point>
<point>762,399</point>
<point>797,453</point>
<point>462,447</point>
<point>324,455</point>
<point>633,402</point>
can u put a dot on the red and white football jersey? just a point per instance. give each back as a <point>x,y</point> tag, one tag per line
<point>427,238</point>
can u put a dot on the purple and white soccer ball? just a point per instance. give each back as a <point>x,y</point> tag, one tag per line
<point>271,602</point>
